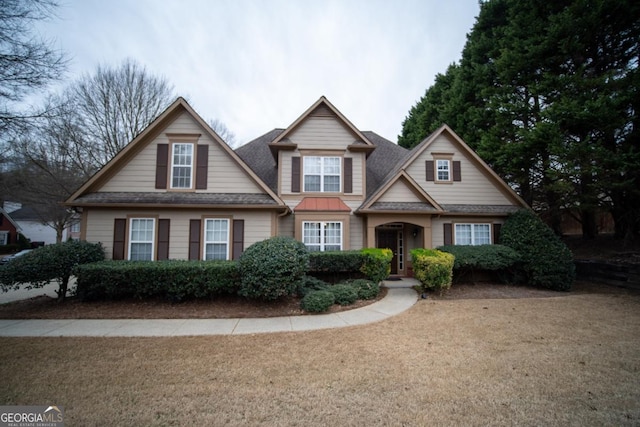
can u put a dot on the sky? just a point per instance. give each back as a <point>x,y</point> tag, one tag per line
<point>256,65</point>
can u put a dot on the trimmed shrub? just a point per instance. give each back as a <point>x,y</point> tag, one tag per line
<point>50,263</point>
<point>366,288</point>
<point>273,268</point>
<point>317,301</point>
<point>547,262</point>
<point>175,280</point>
<point>433,268</point>
<point>376,265</point>
<point>500,259</point>
<point>344,294</point>
<point>310,283</point>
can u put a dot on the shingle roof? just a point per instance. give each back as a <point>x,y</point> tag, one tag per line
<point>481,209</point>
<point>382,161</point>
<point>257,155</point>
<point>134,198</point>
<point>403,206</point>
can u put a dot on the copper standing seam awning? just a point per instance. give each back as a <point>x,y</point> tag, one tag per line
<point>322,204</point>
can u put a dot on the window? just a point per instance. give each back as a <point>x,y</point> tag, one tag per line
<point>216,239</point>
<point>443,170</point>
<point>322,236</point>
<point>181,165</point>
<point>473,234</point>
<point>4,237</point>
<point>141,239</point>
<point>75,227</point>
<point>322,174</point>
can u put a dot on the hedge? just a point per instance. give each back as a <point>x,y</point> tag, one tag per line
<point>433,268</point>
<point>175,280</point>
<point>500,259</point>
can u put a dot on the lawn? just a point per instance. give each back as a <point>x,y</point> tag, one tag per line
<point>571,359</point>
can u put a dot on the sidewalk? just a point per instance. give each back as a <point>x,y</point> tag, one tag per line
<point>400,297</point>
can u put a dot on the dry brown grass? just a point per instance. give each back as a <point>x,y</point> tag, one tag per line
<point>566,360</point>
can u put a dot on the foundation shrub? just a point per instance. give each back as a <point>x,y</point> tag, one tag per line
<point>273,268</point>
<point>546,261</point>
<point>344,294</point>
<point>499,259</point>
<point>317,301</point>
<point>310,283</point>
<point>365,288</point>
<point>174,280</point>
<point>376,264</point>
<point>433,268</point>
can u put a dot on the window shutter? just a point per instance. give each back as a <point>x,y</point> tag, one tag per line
<point>295,174</point>
<point>429,167</point>
<point>238,238</point>
<point>456,171</point>
<point>163,239</point>
<point>448,235</point>
<point>348,175</point>
<point>194,239</point>
<point>162,166</point>
<point>202,157</point>
<point>496,233</point>
<point>119,238</point>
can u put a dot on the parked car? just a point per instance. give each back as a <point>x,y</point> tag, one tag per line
<point>11,257</point>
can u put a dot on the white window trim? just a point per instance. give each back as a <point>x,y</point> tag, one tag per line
<point>191,166</point>
<point>322,173</point>
<point>473,234</point>
<point>4,237</point>
<point>153,237</point>
<point>447,170</point>
<point>205,242</point>
<point>323,244</point>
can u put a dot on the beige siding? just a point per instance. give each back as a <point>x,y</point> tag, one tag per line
<point>225,175</point>
<point>356,232</point>
<point>400,192</point>
<point>322,133</point>
<point>475,187</point>
<point>286,226</point>
<point>257,226</point>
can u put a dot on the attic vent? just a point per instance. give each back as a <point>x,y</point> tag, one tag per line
<point>322,111</point>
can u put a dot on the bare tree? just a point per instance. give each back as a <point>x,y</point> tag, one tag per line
<point>27,63</point>
<point>223,132</point>
<point>111,107</point>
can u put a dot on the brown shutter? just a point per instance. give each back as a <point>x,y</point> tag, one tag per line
<point>194,239</point>
<point>162,165</point>
<point>348,175</point>
<point>429,165</point>
<point>202,167</point>
<point>448,235</point>
<point>163,239</point>
<point>456,171</point>
<point>295,174</point>
<point>119,238</point>
<point>238,238</point>
<point>496,233</point>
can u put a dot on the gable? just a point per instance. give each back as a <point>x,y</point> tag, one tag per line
<point>400,191</point>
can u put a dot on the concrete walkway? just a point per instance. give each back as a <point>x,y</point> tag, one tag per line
<point>399,298</point>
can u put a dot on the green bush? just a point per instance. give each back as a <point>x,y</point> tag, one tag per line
<point>344,294</point>
<point>317,301</point>
<point>366,288</point>
<point>50,263</point>
<point>500,259</point>
<point>310,283</point>
<point>546,260</point>
<point>376,265</point>
<point>174,280</point>
<point>335,261</point>
<point>433,268</point>
<point>273,268</point>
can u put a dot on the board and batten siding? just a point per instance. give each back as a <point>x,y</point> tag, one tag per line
<point>474,188</point>
<point>224,174</point>
<point>100,224</point>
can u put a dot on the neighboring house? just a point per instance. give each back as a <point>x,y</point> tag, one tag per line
<point>9,229</point>
<point>32,227</point>
<point>178,191</point>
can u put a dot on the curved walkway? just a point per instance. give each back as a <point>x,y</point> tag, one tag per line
<point>399,298</point>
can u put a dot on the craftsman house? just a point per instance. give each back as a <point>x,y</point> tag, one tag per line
<point>177,191</point>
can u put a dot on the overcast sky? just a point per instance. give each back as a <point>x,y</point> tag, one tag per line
<point>257,65</point>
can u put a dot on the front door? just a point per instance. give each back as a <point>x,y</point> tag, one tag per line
<point>389,239</point>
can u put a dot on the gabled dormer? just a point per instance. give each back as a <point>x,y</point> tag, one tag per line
<point>321,154</point>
